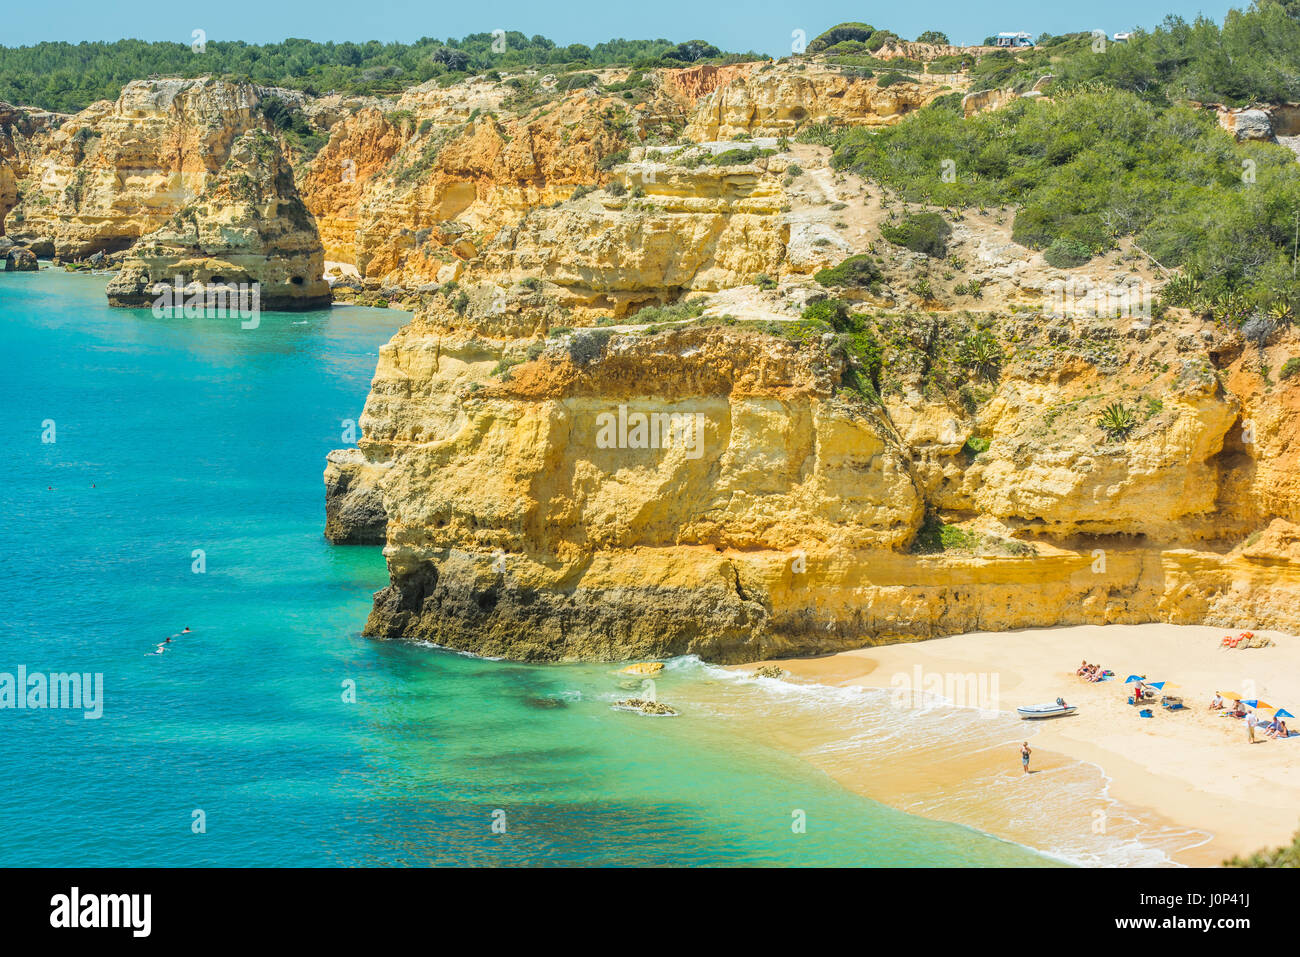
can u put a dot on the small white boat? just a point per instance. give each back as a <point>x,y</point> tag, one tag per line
<point>1056,709</point>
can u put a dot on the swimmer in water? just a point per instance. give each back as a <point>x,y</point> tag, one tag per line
<point>162,646</point>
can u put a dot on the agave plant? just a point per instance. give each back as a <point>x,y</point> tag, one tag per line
<point>982,354</point>
<point>1280,312</point>
<point>1117,421</point>
<point>1180,291</point>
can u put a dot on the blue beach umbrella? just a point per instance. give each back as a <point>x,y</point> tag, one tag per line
<point>1283,713</point>
<point>1132,678</point>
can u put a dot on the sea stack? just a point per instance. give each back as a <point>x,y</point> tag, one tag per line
<point>248,226</point>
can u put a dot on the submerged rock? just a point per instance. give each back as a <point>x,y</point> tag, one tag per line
<point>249,228</point>
<point>768,671</point>
<point>545,704</point>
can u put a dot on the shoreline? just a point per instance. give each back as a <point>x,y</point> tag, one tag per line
<point>1186,783</point>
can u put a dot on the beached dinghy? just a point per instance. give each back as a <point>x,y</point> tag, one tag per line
<point>1054,710</point>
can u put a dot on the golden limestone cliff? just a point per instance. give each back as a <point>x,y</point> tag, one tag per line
<point>248,229</point>
<point>776,102</point>
<point>466,183</point>
<point>116,171</point>
<point>713,488</point>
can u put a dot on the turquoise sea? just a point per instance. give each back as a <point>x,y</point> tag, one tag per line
<point>173,435</point>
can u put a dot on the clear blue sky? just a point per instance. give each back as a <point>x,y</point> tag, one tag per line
<point>762,25</point>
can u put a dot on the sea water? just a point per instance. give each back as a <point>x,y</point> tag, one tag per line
<point>167,473</point>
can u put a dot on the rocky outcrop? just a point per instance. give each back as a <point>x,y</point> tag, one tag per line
<point>354,506</point>
<point>19,259</point>
<point>118,171</point>
<point>777,102</point>
<point>693,82</point>
<point>646,706</point>
<point>248,228</point>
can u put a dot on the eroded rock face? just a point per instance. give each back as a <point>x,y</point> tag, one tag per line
<point>118,171</point>
<point>249,226</point>
<point>672,230</point>
<point>777,102</point>
<point>354,507</point>
<point>8,192</point>
<point>359,148</point>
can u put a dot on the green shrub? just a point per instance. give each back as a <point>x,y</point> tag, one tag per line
<point>764,281</point>
<point>922,233</point>
<point>611,160</point>
<point>855,272</point>
<point>738,157</point>
<point>1290,368</point>
<point>1066,254</point>
<point>675,312</point>
<point>841,32</point>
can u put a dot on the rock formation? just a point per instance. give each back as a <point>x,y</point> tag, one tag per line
<point>712,490</point>
<point>777,102</point>
<point>118,171</point>
<point>354,507</point>
<point>248,227</point>
<point>21,259</point>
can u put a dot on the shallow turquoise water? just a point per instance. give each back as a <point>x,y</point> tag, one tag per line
<point>198,434</point>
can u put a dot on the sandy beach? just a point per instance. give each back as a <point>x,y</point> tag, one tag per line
<point>1188,782</point>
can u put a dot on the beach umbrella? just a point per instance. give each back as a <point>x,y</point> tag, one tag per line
<point>1283,713</point>
<point>1156,684</point>
<point>1257,704</point>
<point>1229,694</point>
<point>1132,678</point>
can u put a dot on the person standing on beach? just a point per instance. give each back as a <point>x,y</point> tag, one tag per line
<point>1252,720</point>
<point>1024,756</point>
